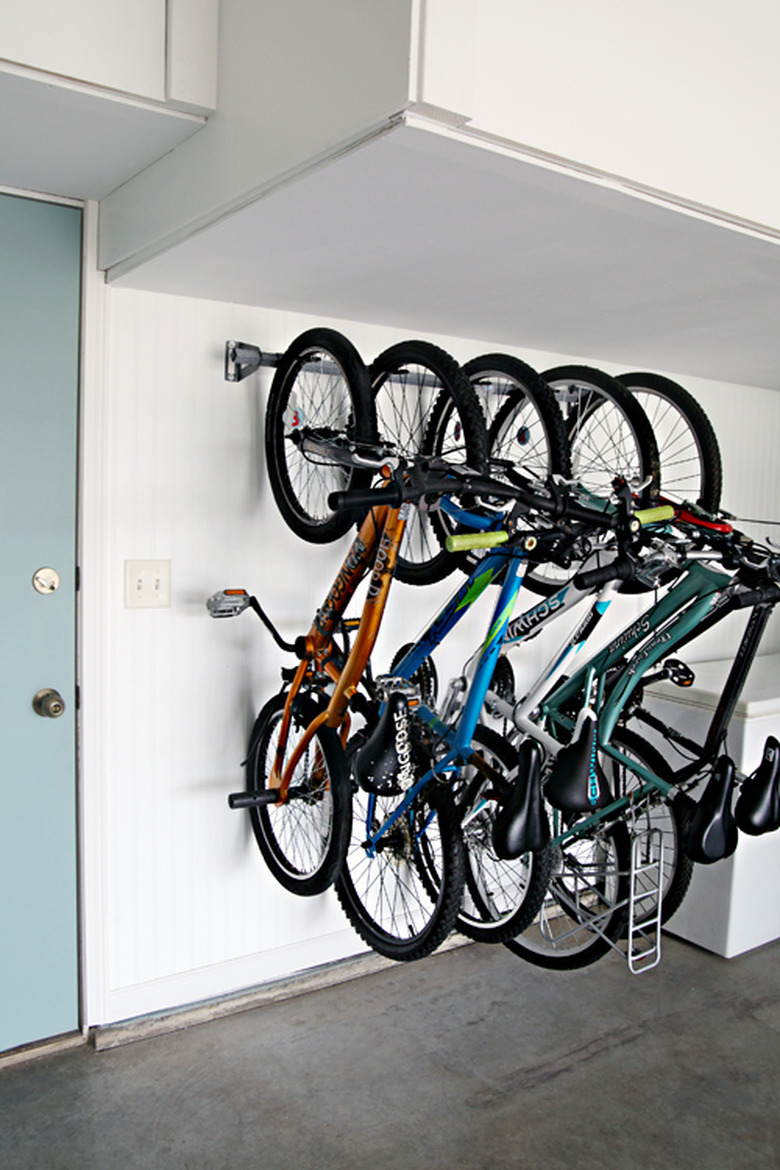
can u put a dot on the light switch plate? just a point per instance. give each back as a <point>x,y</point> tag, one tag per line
<point>147,584</point>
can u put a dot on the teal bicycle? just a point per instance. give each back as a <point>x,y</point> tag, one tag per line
<point>624,831</point>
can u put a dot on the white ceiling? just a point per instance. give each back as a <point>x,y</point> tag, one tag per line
<point>430,231</point>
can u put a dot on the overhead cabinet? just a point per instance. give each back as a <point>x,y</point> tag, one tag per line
<point>568,177</point>
<point>96,90</point>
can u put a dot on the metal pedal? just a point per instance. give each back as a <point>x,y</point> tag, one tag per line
<point>228,603</point>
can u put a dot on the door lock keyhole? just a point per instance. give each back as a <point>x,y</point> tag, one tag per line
<point>49,703</point>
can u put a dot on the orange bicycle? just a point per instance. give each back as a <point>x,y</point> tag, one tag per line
<point>298,788</point>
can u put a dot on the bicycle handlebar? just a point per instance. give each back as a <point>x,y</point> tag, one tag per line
<point>464,541</point>
<point>360,499</point>
<point>619,570</point>
<point>662,514</point>
<point>768,594</point>
<point>434,482</point>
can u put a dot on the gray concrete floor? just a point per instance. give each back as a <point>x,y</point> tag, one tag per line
<point>469,1059</point>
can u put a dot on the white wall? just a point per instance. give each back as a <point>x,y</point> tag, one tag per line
<point>178,904</point>
<point>678,95</point>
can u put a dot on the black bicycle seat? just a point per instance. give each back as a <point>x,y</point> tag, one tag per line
<point>521,825</point>
<point>576,783</point>
<point>712,832</point>
<point>757,809</point>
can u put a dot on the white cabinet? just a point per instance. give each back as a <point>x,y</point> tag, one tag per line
<point>102,42</point>
<point>733,905</point>
<point>94,91</point>
<point>562,177</point>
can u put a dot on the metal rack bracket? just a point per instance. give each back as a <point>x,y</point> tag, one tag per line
<point>242,359</point>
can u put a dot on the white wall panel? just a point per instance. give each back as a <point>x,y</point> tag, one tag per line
<point>179,905</point>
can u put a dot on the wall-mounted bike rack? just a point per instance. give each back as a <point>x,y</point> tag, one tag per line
<point>242,359</point>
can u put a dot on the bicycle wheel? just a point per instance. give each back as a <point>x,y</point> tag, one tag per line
<point>527,428</point>
<point>609,434</point>
<point>320,389</point>
<point>425,406</point>
<point>500,898</point>
<point>388,894</point>
<point>585,908</point>
<point>653,813</point>
<point>690,456</point>
<point>302,841</point>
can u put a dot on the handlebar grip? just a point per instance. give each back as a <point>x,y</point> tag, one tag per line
<point>660,515</point>
<point>764,595</point>
<point>464,541</point>
<point>593,578</point>
<point>363,498</point>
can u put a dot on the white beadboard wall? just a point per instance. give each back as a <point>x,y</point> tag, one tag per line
<point>178,905</point>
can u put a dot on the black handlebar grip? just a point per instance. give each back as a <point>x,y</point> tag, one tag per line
<point>764,595</point>
<point>362,498</point>
<point>593,578</point>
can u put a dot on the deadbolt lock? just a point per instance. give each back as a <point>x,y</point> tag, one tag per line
<point>49,703</point>
<point>46,580</point>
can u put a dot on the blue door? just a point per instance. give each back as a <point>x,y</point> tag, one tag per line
<point>40,272</point>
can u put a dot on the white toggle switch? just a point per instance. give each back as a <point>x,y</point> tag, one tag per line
<point>147,584</point>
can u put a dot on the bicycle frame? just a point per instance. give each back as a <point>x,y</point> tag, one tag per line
<point>374,549</point>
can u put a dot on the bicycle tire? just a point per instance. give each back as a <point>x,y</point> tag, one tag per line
<point>425,406</point>
<point>527,426</point>
<point>389,897</point>
<point>691,467</point>
<point>589,888</point>
<point>670,816</point>
<point>320,385</point>
<point>302,841</point>
<point>500,898</point>
<point>609,434</point>
<point>609,437</point>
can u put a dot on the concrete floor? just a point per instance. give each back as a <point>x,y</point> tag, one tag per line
<point>468,1059</point>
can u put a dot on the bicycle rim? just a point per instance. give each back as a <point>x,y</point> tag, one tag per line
<point>321,389</point>
<point>402,897</point>
<point>691,468</point>
<point>609,435</point>
<point>500,897</point>
<point>426,406</point>
<point>585,908</point>
<point>304,839</point>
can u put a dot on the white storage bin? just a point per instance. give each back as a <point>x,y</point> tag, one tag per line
<point>733,905</point>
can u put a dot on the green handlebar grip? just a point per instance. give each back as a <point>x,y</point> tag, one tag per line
<point>467,540</point>
<point>660,515</point>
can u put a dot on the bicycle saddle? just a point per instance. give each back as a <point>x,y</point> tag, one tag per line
<point>385,765</point>
<point>711,833</point>
<point>576,783</point>
<point>757,809</point>
<point>521,824</point>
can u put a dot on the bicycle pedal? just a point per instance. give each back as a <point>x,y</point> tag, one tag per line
<point>679,674</point>
<point>253,799</point>
<point>228,603</point>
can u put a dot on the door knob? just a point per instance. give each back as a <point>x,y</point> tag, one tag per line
<point>49,703</point>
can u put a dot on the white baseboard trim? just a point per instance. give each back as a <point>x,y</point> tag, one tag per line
<point>114,1035</point>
